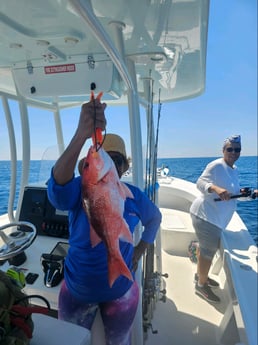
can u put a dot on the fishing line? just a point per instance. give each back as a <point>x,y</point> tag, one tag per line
<point>151,154</point>
<point>156,149</point>
<point>97,144</point>
<point>149,140</point>
<point>94,125</point>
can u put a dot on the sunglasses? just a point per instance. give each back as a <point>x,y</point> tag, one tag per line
<point>231,149</point>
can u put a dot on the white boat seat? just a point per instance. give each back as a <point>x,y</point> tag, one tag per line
<point>51,331</point>
<point>176,231</point>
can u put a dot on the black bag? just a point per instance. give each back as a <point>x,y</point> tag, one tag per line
<point>16,325</point>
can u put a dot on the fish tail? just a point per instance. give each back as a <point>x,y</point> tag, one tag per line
<point>117,267</point>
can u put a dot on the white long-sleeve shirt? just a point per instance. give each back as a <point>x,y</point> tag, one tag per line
<point>218,213</point>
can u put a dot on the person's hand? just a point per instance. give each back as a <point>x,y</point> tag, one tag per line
<point>92,116</point>
<point>137,254</point>
<point>222,193</point>
<point>255,194</point>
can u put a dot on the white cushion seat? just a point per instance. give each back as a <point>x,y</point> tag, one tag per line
<point>51,331</point>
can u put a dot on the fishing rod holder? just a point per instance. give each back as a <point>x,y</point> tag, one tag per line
<point>152,293</point>
<point>147,326</point>
<point>152,287</point>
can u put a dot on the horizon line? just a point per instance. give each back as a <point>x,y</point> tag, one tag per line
<point>178,157</point>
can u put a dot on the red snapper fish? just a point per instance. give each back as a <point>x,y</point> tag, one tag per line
<point>103,200</point>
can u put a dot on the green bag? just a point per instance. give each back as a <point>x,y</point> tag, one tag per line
<point>192,251</point>
<point>16,325</point>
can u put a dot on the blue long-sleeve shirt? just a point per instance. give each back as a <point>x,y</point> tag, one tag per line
<point>86,272</point>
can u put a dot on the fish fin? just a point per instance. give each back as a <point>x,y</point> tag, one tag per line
<point>124,191</point>
<point>117,267</point>
<point>94,237</point>
<point>125,234</point>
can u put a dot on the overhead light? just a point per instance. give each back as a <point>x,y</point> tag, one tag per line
<point>146,57</point>
<point>157,58</point>
<point>43,43</point>
<point>71,40</point>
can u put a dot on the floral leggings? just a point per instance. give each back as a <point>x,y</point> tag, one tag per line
<point>117,315</point>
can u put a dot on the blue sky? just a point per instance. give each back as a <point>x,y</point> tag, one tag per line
<point>196,127</point>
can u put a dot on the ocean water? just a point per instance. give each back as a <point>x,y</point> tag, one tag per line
<point>186,168</point>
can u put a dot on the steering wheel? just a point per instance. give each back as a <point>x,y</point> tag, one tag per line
<point>15,238</point>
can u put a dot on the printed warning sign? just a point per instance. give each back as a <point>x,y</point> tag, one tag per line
<point>60,69</point>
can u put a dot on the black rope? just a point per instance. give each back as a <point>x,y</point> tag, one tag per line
<point>34,296</point>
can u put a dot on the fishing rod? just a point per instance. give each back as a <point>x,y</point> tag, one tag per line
<point>152,279</point>
<point>156,149</point>
<point>245,193</point>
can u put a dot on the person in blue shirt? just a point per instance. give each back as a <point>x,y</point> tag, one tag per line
<point>85,287</point>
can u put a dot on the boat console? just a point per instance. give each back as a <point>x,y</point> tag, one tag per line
<point>52,228</point>
<point>37,210</point>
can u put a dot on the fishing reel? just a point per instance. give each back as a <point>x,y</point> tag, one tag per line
<point>246,192</point>
<point>153,287</point>
<point>249,193</point>
<point>152,293</point>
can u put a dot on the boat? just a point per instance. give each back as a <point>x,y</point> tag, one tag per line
<point>53,54</point>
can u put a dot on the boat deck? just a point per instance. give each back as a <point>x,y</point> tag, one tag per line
<point>184,317</point>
